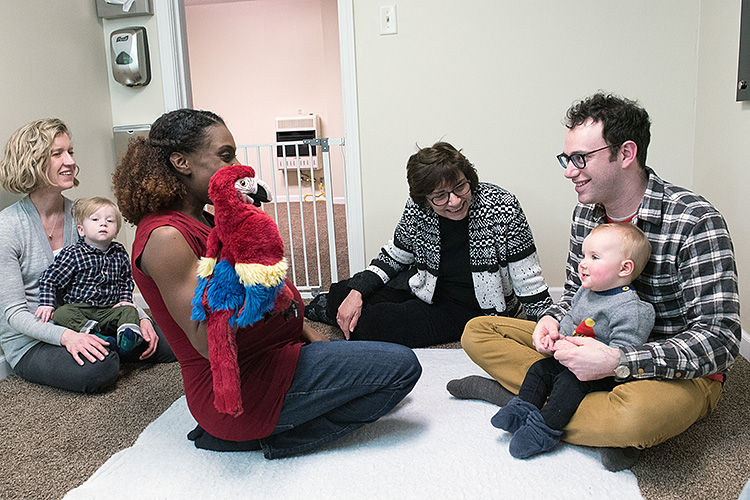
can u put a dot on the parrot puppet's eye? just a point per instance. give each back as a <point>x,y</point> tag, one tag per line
<point>246,187</point>
<point>244,184</point>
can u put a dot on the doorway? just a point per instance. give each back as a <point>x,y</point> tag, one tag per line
<point>255,62</point>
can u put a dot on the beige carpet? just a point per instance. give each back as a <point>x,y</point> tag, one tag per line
<point>52,441</point>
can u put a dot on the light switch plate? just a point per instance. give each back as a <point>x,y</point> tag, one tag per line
<point>388,25</point>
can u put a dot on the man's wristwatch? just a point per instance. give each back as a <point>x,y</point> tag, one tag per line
<point>622,371</point>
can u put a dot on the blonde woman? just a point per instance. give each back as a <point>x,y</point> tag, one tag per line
<point>39,162</point>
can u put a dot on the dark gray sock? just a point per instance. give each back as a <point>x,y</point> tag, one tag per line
<point>195,433</point>
<point>206,441</point>
<point>617,459</point>
<point>483,388</point>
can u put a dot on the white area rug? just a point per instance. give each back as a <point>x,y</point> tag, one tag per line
<point>431,446</point>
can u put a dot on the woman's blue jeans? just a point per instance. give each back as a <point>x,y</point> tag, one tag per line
<point>338,387</point>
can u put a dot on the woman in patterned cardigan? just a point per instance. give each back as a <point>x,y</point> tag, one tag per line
<point>462,249</point>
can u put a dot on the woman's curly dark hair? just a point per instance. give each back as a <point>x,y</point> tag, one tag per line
<point>145,181</point>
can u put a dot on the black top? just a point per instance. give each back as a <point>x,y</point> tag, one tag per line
<point>454,281</point>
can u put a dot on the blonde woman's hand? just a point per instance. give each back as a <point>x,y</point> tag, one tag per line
<point>87,345</point>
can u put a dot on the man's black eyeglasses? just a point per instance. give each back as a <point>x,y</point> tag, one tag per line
<point>579,159</point>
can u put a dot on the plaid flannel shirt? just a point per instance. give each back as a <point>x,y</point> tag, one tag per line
<point>88,275</point>
<point>691,280</point>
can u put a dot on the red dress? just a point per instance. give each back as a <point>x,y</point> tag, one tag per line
<point>267,351</point>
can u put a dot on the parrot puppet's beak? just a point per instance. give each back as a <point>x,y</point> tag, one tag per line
<point>252,191</point>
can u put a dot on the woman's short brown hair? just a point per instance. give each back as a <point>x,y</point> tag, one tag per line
<point>24,167</point>
<point>429,168</point>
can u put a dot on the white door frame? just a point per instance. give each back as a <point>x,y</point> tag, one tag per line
<point>175,71</point>
<point>354,213</point>
<point>170,18</point>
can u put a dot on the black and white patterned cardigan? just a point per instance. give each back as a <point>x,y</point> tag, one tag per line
<point>505,266</point>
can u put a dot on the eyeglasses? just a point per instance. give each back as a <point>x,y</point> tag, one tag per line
<point>579,159</point>
<point>442,198</point>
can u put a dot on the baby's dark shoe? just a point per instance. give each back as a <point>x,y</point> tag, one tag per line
<point>513,415</point>
<point>128,339</point>
<point>112,341</point>
<point>534,437</point>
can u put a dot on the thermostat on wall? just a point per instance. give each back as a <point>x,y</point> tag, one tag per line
<point>130,62</point>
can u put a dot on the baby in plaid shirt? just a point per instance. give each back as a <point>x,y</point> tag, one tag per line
<point>95,279</point>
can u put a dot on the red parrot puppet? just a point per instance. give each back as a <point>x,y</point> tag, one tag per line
<point>241,278</point>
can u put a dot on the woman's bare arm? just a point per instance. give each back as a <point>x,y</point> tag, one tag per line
<point>170,262</point>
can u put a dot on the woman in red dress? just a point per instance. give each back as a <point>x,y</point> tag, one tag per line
<point>299,391</point>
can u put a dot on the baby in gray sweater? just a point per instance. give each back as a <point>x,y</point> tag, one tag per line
<point>605,308</point>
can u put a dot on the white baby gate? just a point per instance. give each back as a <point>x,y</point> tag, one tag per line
<point>298,184</point>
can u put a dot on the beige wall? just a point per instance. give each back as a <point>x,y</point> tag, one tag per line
<point>52,64</point>
<point>722,133</point>
<point>495,77</point>
<point>274,58</point>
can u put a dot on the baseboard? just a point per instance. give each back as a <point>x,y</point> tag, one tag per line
<point>745,345</point>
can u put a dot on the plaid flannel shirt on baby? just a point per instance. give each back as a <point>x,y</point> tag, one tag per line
<point>88,275</point>
<point>691,280</point>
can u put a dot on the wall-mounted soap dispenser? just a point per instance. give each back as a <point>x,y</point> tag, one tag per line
<point>130,61</point>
